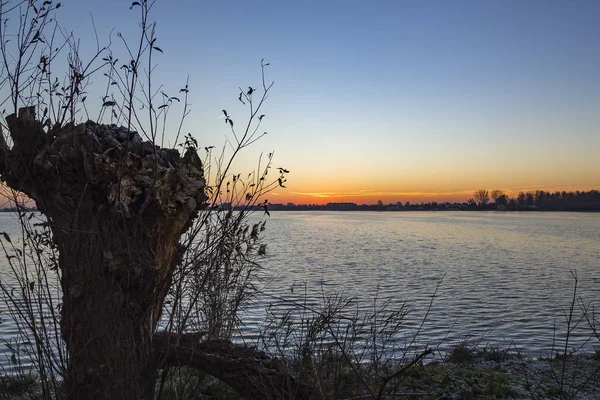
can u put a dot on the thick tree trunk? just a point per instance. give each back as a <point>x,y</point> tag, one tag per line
<point>117,207</point>
<point>109,285</point>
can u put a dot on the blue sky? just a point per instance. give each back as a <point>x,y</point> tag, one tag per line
<point>405,100</point>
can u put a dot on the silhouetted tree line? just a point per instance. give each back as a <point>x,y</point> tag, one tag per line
<point>537,200</point>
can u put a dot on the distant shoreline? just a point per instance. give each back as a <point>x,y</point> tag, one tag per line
<point>275,207</point>
<point>442,210</point>
<point>417,207</point>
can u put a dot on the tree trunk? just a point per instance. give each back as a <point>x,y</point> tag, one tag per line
<point>117,207</point>
<point>109,294</point>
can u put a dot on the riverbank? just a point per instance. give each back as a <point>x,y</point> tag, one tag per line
<point>493,374</point>
<point>466,373</point>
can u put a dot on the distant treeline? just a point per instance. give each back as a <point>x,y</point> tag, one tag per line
<point>483,199</point>
<point>536,200</point>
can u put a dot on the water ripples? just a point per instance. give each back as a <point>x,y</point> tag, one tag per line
<point>504,278</point>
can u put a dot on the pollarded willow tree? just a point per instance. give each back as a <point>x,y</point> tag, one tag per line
<point>133,223</point>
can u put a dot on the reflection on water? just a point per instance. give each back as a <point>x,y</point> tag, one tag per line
<point>506,276</point>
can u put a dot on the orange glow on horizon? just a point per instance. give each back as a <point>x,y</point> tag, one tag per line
<point>365,196</point>
<point>372,196</point>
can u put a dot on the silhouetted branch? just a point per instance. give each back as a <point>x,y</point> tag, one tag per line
<point>248,371</point>
<point>386,379</point>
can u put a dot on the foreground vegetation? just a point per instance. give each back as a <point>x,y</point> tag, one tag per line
<point>466,371</point>
<point>339,353</point>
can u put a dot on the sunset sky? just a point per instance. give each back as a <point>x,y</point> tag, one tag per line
<point>387,100</point>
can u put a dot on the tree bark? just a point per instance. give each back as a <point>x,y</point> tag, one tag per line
<point>117,207</point>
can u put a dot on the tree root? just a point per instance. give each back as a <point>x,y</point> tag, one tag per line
<point>248,371</point>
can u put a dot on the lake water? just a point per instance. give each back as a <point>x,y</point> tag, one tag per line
<point>505,277</point>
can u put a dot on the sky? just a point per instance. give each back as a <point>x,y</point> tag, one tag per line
<point>385,100</point>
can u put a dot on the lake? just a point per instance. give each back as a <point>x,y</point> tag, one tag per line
<point>504,278</point>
